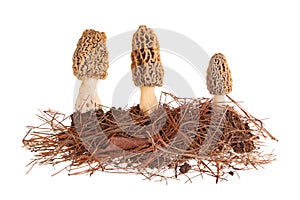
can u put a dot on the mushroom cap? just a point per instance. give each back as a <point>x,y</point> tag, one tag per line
<point>144,38</point>
<point>146,66</point>
<point>218,75</point>
<point>90,59</point>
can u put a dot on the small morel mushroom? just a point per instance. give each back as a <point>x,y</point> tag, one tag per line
<point>146,67</point>
<point>218,78</point>
<point>90,62</point>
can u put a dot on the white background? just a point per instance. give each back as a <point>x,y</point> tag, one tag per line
<point>37,41</point>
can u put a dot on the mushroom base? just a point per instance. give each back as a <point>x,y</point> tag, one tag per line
<point>219,100</point>
<point>87,96</point>
<point>148,100</point>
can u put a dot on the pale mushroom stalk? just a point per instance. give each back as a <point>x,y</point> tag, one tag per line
<point>87,95</point>
<point>219,99</point>
<point>97,98</point>
<point>218,78</point>
<point>147,70</point>
<point>148,100</point>
<point>90,63</point>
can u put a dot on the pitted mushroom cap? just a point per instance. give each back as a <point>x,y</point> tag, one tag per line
<point>90,59</point>
<point>144,38</point>
<point>218,76</point>
<point>146,66</point>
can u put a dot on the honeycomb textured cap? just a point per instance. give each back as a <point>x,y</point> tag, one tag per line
<point>90,59</point>
<point>144,38</point>
<point>146,66</point>
<point>218,76</point>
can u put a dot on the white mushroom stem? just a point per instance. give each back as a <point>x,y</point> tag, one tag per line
<point>97,99</point>
<point>148,101</point>
<point>87,95</point>
<point>219,100</point>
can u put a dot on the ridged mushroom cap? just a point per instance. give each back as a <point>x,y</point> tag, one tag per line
<point>146,66</point>
<point>218,75</point>
<point>144,38</point>
<point>90,59</point>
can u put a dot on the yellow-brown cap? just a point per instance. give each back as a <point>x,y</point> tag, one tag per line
<point>218,75</point>
<point>90,59</point>
<point>146,66</point>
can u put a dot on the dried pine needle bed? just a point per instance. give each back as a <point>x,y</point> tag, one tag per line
<point>183,137</point>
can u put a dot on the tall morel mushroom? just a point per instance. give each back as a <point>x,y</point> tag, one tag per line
<point>218,78</point>
<point>90,62</point>
<point>146,67</point>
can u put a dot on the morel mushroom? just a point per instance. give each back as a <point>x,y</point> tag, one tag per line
<point>146,67</point>
<point>218,78</point>
<point>90,62</point>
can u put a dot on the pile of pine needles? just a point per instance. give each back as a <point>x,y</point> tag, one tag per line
<point>183,137</point>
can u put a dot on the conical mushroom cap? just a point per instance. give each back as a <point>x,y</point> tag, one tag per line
<point>144,38</point>
<point>218,76</point>
<point>146,66</point>
<point>90,59</point>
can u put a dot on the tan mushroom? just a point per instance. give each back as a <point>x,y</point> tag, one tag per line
<point>218,78</point>
<point>90,62</point>
<point>146,67</point>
